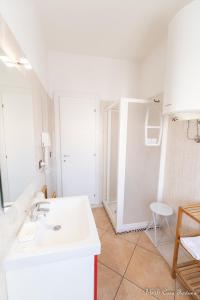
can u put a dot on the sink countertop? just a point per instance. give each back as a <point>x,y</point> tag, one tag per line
<point>77,237</point>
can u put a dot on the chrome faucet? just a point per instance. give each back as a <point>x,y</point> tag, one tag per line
<point>36,210</point>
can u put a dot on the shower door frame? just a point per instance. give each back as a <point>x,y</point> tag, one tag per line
<point>123,122</point>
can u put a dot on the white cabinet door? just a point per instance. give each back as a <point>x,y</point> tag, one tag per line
<point>78,149</point>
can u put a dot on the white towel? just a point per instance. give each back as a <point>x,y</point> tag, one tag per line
<point>192,245</point>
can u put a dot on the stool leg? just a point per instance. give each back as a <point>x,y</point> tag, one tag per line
<point>166,220</point>
<point>155,229</point>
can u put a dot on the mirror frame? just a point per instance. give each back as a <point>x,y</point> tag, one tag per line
<point>1,192</point>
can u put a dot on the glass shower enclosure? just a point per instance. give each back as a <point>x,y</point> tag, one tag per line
<point>132,139</point>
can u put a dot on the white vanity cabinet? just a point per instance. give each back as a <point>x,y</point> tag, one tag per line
<point>182,88</point>
<point>63,280</point>
<point>61,264</point>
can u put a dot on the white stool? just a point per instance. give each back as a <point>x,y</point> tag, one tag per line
<point>162,210</point>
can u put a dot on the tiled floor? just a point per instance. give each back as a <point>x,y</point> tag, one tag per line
<point>130,267</point>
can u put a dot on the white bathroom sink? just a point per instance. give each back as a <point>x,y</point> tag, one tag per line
<point>77,236</point>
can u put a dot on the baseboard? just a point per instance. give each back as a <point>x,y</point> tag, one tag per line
<point>132,227</point>
<point>96,205</point>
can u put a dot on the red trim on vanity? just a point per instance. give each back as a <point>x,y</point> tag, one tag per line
<point>95,276</point>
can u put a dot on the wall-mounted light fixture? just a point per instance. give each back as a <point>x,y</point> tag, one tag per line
<point>25,63</point>
<point>22,62</point>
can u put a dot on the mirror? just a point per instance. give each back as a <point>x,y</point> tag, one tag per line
<point>17,151</point>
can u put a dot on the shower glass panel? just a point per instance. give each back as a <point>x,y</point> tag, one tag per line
<point>111,124</point>
<point>142,163</point>
<point>112,179</point>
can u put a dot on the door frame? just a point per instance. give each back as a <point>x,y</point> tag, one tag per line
<point>57,144</point>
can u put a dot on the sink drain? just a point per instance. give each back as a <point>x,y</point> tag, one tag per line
<point>56,227</point>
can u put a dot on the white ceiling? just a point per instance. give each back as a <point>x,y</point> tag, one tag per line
<point>125,29</point>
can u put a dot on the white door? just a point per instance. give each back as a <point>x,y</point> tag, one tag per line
<point>78,144</point>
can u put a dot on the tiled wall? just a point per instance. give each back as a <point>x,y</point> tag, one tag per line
<point>182,172</point>
<point>43,121</point>
<point>182,169</point>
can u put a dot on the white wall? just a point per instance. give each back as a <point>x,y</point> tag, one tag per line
<point>152,71</point>
<point>106,78</point>
<point>22,18</point>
